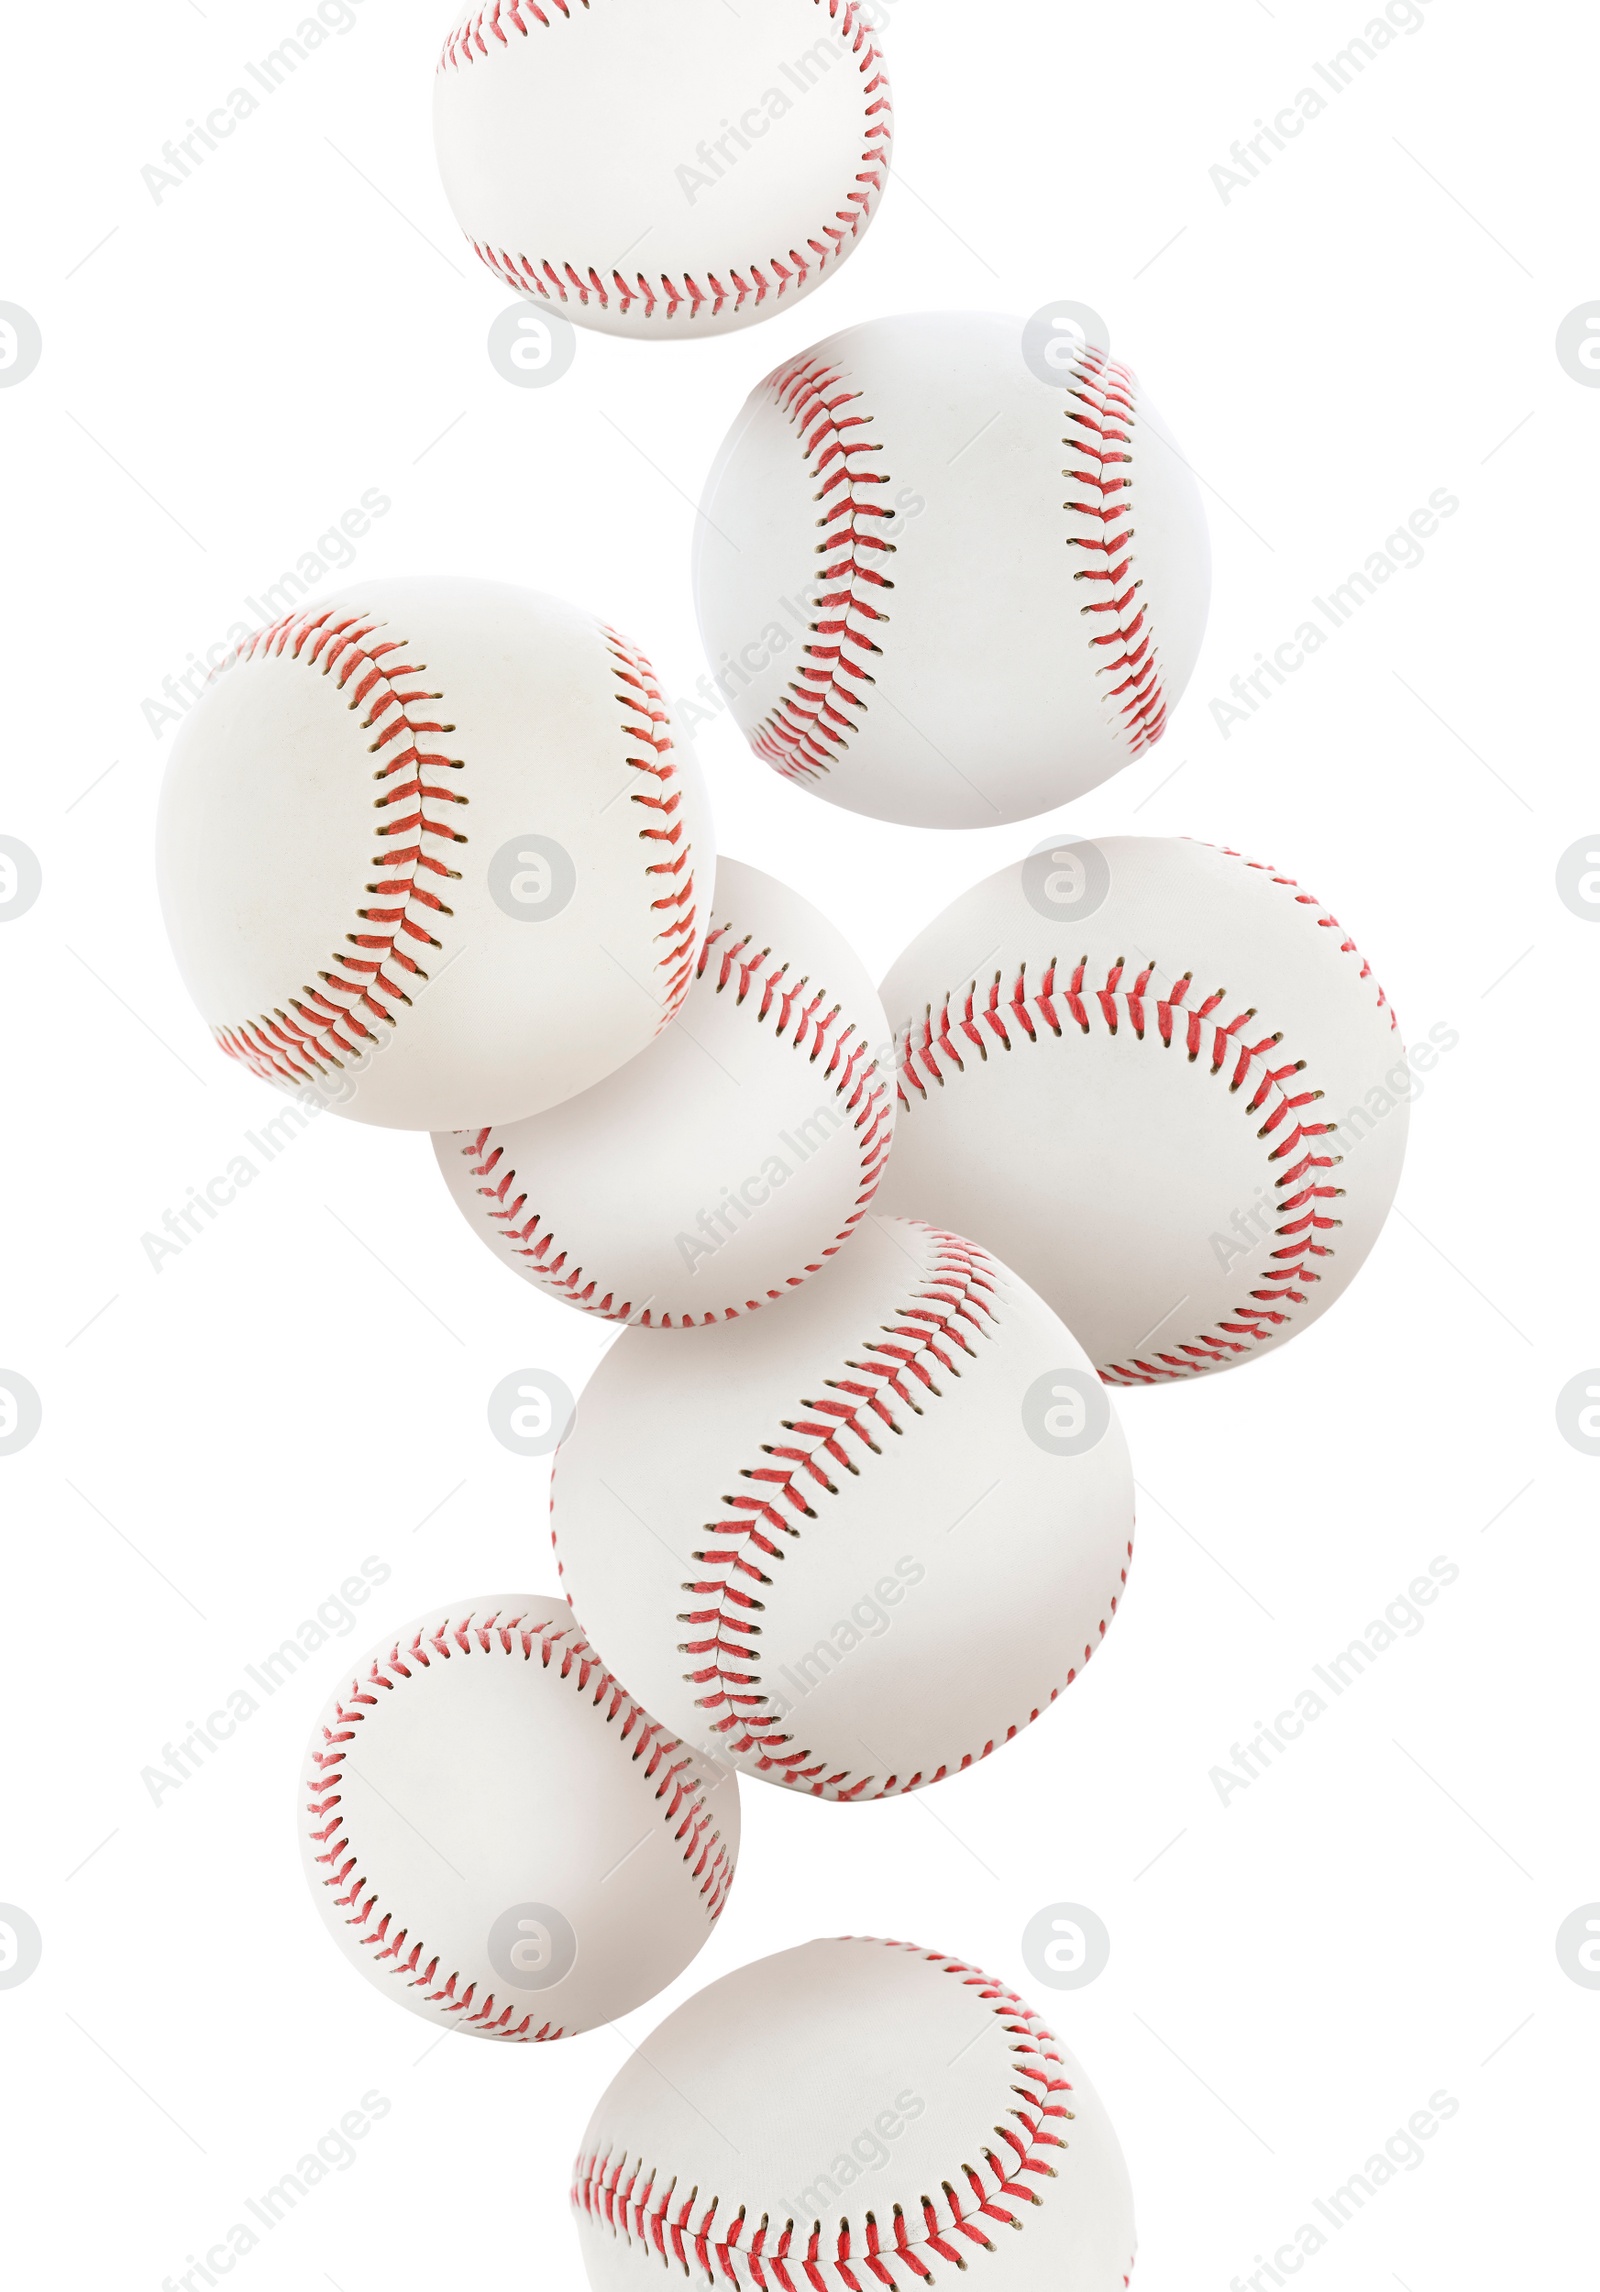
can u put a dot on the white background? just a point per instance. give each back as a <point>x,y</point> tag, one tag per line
<point>223,1442</point>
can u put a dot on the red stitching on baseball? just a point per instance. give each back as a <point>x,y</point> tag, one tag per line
<point>1101,404</point>
<point>824,705</point>
<point>800,1016</point>
<point>326,1023</point>
<point>469,40</point>
<point>336,1018</point>
<point>944,1316</point>
<point>684,2232</point>
<point>771,277</point>
<point>397,1949</point>
<point>967,1025</point>
<point>662,795</point>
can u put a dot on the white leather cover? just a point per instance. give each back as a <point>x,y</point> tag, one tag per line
<point>498,1836</point>
<point>734,1157</point>
<point>330,823</point>
<point>1182,1118</point>
<point>663,168</point>
<point>825,1543</point>
<point>850,2113</point>
<point>939,590</point>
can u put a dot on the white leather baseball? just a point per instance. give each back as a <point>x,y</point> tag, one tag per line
<point>727,1162</point>
<point>940,590</point>
<point>1160,1080</point>
<point>854,1545</point>
<point>429,853</point>
<point>499,1837</point>
<point>663,168</point>
<point>850,2114</point>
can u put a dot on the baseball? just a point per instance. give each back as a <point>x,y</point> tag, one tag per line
<point>855,1545</point>
<point>429,854</point>
<point>854,2113</point>
<point>1161,1082</point>
<point>727,1162</point>
<point>500,1838</point>
<point>663,170</point>
<point>940,589</point>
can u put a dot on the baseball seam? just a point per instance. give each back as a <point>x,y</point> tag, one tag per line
<point>806,1023</point>
<point>824,705</point>
<point>921,1337</point>
<point>335,1019</point>
<point>768,278</point>
<point>810,728</point>
<point>685,2231</point>
<point>395,1946</point>
<point>1101,409</point>
<point>965,1027</point>
<point>671,867</point>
